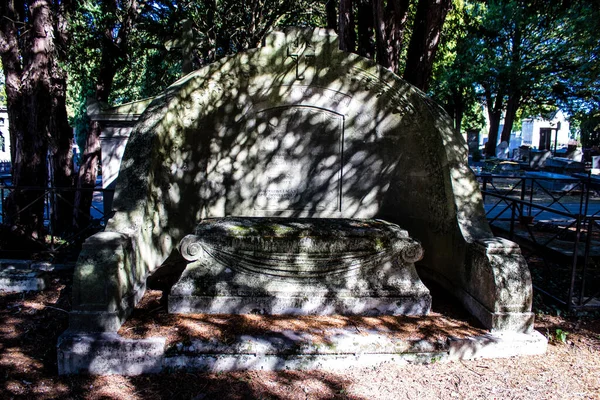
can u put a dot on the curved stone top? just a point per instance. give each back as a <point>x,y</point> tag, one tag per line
<point>300,248</point>
<point>278,227</point>
<point>296,128</point>
<point>297,236</point>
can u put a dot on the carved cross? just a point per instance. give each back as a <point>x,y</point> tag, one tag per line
<point>303,53</point>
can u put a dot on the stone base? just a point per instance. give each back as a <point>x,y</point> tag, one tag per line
<point>300,267</point>
<point>313,305</point>
<point>22,280</point>
<point>109,353</point>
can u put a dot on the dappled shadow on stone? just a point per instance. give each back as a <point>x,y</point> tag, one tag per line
<point>150,319</point>
<point>320,134</point>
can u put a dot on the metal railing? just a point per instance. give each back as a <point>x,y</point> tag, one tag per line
<point>52,197</point>
<point>568,242</point>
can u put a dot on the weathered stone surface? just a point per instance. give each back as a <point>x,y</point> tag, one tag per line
<point>498,345</point>
<point>108,353</point>
<point>300,266</point>
<point>106,283</point>
<point>297,128</point>
<point>21,279</point>
<point>336,350</point>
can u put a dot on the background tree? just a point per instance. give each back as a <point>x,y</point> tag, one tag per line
<point>382,27</point>
<point>110,24</point>
<point>32,39</point>
<point>531,54</point>
<point>424,41</point>
<point>451,87</point>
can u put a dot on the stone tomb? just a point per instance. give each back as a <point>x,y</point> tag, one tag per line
<point>299,266</point>
<point>297,129</point>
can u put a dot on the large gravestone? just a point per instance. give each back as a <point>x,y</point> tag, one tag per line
<point>298,129</point>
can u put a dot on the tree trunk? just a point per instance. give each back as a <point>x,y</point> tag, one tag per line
<point>494,107</point>
<point>390,20</point>
<point>61,155</point>
<point>346,27</point>
<point>512,106</point>
<point>458,109</point>
<point>331,12</point>
<point>429,21</point>
<point>28,88</point>
<point>366,45</point>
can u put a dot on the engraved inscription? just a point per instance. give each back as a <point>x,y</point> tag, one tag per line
<point>298,159</point>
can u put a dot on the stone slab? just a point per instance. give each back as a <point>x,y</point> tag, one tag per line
<point>340,349</point>
<point>300,266</point>
<point>35,265</point>
<point>109,353</point>
<point>22,279</point>
<point>310,304</point>
<point>295,128</point>
<point>498,345</point>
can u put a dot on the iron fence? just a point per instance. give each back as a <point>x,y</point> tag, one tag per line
<point>565,235</point>
<point>52,197</point>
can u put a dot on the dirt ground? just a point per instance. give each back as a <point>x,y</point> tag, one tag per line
<point>32,322</point>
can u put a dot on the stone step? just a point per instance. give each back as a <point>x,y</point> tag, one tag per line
<point>336,350</point>
<point>22,279</point>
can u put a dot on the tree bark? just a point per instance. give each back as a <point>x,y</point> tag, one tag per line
<point>27,57</point>
<point>458,109</point>
<point>494,107</point>
<point>61,145</point>
<point>366,45</point>
<point>331,12</point>
<point>427,28</point>
<point>61,156</point>
<point>390,21</point>
<point>512,106</point>
<point>346,27</point>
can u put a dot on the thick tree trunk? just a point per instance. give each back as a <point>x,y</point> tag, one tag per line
<point>390,20</point>
<point>28,88</point>
<point>36,97</point>
<point>346,27</point>
<point>494,107</point>
<point>366,45</point>
<point>61,157</point>
<point>424,41</point>
<point>331,12</point>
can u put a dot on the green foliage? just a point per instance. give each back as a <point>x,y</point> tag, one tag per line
<point>589,125</point>
<point>167,40</point>
<point>450,85</point>
<point>539,54</point>
<point>561,336</point>
<point>2,89</point>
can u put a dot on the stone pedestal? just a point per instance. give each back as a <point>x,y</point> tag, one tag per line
<point>300,266</point>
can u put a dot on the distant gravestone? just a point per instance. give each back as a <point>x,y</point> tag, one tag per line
<point>473,140</point>
<point>297,129</point>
